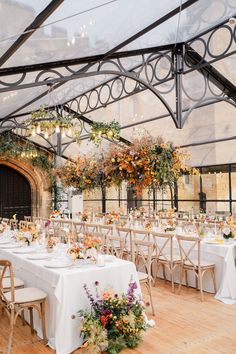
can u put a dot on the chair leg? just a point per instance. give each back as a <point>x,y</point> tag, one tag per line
<point>149,286</point>
<point>181,275</point>
<point>42,308</point>
<point>164,271</point>
<point>196,281</point>
<point>200,284</point>
<point>186,278</point>
<point>212,270</point>
<point>23,317</point>
<point>172,279</point>
<point>12,315</point>
<point>31,320</point>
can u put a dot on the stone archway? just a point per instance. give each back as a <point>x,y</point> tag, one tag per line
<point>39,183</point>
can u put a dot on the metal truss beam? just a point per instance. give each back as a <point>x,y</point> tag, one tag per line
<point>84,60</point>
<point>121,45</point>
<point>53,5</point>
<point>212,74</point>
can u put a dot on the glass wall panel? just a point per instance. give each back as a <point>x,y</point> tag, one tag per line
<point>233,181</point>
<point>215,182</point>
<point>189,187</point>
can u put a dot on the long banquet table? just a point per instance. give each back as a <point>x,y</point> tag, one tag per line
<point>66,294</point>
<point>223,255</point>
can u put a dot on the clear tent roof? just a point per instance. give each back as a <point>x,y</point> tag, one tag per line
<point>50,33</point>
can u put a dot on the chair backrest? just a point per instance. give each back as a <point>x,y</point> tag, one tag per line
<point>6,268</point>
<point>142,252</point>
<point>22,224</point>
<point>187,246</point>
<point>163,245</point>
<point>143,235</point>
<point>90,227</point>
<point>125,233</point>
<point>5,220</point>
<point>106,229</point>
<point>27,218</point>
<point>115,246</point>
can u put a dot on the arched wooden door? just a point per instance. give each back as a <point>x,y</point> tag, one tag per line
<point>15,194</point>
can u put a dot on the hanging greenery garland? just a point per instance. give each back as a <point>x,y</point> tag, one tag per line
<point>100,130</point>
<point>12,148</point>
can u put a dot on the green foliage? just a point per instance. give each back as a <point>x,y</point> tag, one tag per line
<point>100,130</point>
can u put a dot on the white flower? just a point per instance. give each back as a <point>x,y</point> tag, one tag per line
<point>226,231</point>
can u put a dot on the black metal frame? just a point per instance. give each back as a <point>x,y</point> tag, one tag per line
<point>182,60</point>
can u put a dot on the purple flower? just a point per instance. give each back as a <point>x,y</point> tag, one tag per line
<point>47,223</point>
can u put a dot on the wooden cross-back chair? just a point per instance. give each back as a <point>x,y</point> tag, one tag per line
<point>164,255</point>
<point>5,220</point>
<point>106,229</point>
<point>115,245</point>
<point>125,233</point>
<point>77,229</point>
<point>22,224</point>
<point>65,231</point>
<point>142,252</point>
<point>91,227</point>
<point>189,262</point>
<point>15,301</point>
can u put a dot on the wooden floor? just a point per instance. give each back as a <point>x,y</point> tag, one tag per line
<point>183,325</point>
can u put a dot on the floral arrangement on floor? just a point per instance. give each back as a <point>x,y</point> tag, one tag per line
<point>148,162</point>
<point>114,322</point>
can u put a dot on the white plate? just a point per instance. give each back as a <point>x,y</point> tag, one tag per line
<point>39,256</point>
<point>3,242</point>
<point>58,264</point>
<point>24,250</point>
<point>10,245</point>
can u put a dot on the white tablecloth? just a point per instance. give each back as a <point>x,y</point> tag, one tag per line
<point>223,256</point>
<point>66,294</point>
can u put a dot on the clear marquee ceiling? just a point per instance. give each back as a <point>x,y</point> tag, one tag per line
<point>77,29</point>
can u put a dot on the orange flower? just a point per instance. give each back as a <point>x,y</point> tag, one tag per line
<point>106,295</point>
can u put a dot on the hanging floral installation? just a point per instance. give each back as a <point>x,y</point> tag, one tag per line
<point>148,162</point>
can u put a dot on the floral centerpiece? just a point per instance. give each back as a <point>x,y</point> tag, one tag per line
<point>114,322</point>
<point>51,242</point>
<point>86,249</point>
<point>55,214</point>
<point>227,232</point>
<point>77,251</point>
<point>27,235</point>
<point>111,218</point>
<point>84,216</point>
